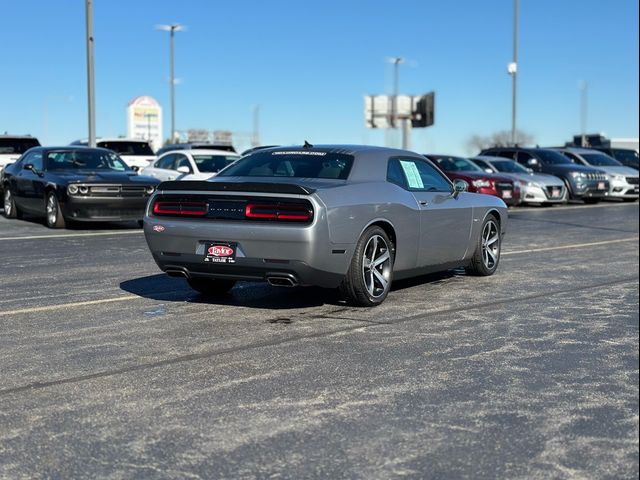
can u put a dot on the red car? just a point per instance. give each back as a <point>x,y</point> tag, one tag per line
<point>479,181</point>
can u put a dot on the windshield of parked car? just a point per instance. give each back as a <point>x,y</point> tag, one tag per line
<point>91,160</point>
<point>630,156</point>
<point>292,163</point>
<point>127,148</point>
<point>552,157</point>
<point>600,160</point>
<point>213,163</point>
<point>457,164</point>
<point>17,145</point>
<point>508,166</point>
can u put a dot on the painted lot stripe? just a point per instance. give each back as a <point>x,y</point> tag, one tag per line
<point>569,247</point>
<point>74,235</point>
<point>69,305</point>
<point>137,297</point>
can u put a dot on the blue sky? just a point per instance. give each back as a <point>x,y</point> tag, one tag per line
<point>309,64</point>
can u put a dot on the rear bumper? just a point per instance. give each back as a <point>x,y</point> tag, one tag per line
<point>303,252</point>
<point>104,209</point>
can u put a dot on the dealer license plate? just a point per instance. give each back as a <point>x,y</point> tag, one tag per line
<point>220,252</point>
<point>555,192</point>
<point>601,186</point>
<point>507,194</point>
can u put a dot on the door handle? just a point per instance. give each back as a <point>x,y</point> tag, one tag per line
<point>424,203</point>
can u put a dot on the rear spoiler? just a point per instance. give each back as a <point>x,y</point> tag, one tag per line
<point>204,186</point>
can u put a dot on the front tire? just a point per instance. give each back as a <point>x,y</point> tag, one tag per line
<point>9,204</point>
<point>368,280</point>
<point>211,287</point>
<point>486,258</point>
<point>55,218</point>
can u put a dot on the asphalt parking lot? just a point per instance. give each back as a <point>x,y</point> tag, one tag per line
<point>111,369</point>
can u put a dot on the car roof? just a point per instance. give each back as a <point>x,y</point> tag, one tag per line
<point>577,150</point>
<point>491,158</point>
<point>21,137</point>
<point>107,139</point>
<point>66,148</point>
<point>347,149</point>
<point>200,151</point>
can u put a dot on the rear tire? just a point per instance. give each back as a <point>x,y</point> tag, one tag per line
<point>9,205</point>
<point>211,287</point>
<point>55,218</point>
<point>486,258</point>
<point>370,274</point>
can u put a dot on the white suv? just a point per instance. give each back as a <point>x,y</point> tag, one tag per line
<point>13,146</point>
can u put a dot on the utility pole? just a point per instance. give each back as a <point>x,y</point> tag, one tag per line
<point>91,101</point>
<point>175,27</point>
<point>393,120</point>
<point>584,104</point>
<point>513,71</point>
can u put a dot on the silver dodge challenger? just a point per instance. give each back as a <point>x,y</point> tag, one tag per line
<point>337,216</point>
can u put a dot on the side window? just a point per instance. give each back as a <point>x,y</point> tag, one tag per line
<point>181,161</point>
<point>511,155</point>
<point>26,158</point>
<point>571,157</point>
<point>166,162</point>
<point>36,161</point>
<point>523,158</point>
<point>482,164</point>
<point>421,176</point>
<point>394,173</point>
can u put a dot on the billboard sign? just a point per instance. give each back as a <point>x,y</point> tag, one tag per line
<point>144,120</point>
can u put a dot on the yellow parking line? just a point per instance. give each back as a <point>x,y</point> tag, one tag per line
<point>73,235</point>
<point>68,305</point>
<point>568,247</point>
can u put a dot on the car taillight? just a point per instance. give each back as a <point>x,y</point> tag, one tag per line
<point>179,208</point>
<point>295,213</point>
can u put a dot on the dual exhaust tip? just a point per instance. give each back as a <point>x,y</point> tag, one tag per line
<point>275,280</point>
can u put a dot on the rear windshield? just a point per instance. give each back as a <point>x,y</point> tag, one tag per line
<point>213,163</point>
<point>294,163</point>
<point>127,148</point>
<point>87,160</point>
<point>17,145</point>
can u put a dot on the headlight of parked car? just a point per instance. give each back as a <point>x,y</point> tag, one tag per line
<point>578,175</point>
<point>534,184</point>
<point>618,178</point>
<point>481,183</point>
<point>150,189</point>
<point>72,189</point>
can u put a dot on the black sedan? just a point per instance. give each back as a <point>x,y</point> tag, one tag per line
<point>74,184</point>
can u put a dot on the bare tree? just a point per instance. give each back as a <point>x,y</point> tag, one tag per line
<point>476,143</point>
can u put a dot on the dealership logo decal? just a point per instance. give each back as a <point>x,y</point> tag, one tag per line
<point>220,251</point>
<point>158,228</point>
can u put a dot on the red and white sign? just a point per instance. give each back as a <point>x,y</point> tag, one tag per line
<point>158,228</point>
<point>220,251</point>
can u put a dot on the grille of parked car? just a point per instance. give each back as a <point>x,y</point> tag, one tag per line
<point>632,180</point>
<point>504,186</point>
<point>118,190</point>
<point>597,176</point>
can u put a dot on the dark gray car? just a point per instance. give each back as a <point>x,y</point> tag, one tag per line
<point>583,183</point>
<point>354,217</point>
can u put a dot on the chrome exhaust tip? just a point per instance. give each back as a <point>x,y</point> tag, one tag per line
<point>282,280</point>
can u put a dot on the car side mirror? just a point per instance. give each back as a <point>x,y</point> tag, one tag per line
<point>459,186</point>
<point>530,170</point>
<point>183,169</point>
<point>488,170</point>
<point>28,166</point>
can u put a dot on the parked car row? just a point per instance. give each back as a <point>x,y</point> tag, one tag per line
<point>113,181</point>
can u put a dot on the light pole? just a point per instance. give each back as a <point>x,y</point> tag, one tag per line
<point>513,71</point>
<point>172,81</point>
<point>90,77</point>
<point>584,103</point>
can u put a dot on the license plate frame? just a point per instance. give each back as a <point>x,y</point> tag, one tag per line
<point>218,252</point>
<point>601,186</point>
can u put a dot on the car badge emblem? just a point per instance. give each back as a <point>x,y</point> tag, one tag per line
<point>158,228</point>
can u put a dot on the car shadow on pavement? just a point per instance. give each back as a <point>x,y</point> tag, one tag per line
<point>76,226</point>
<point>164,288</point>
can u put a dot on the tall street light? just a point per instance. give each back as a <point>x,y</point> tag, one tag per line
<point>91,100</point>
<point>513,71</point>
<point>172,81</point>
